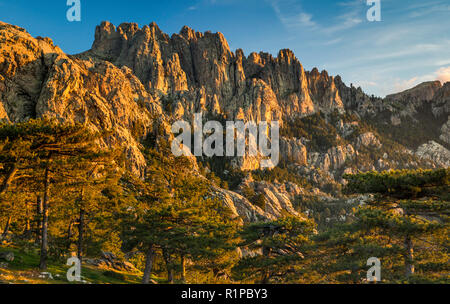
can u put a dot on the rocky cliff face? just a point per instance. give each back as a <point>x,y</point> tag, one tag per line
<point>204,74</point>
<point>424,92</point>
<point>427,104</point>
<point>441,108</point>
<point>435,152</point>
<point>135,81</point>
<point>37,79</point>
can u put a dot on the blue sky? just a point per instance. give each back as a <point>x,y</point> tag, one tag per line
<point>410,45</point>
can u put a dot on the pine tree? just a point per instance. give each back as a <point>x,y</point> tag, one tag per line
<point>278,248</point>
<point>15,150</point>
<point>407,220</point>
<point>176,217</point>
<point>48,146</point>
<point>81,185</point>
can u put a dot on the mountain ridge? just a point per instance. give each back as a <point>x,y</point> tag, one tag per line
<point>137,81</point>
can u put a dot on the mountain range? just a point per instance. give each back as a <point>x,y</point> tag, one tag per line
<point>136,82</point>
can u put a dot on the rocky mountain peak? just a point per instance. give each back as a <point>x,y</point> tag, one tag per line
<point>137,81</point>
<point>189,34</point>
<point>443,94</point>
<point>314,73</point>
<point>286,55</point>
<point>422,92</point>
<point>194,62</point>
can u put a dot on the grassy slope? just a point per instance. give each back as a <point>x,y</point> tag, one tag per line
<point>24,270</point>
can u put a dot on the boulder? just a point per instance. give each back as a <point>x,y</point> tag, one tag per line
<point>7,256</point>
<point>435,152</point>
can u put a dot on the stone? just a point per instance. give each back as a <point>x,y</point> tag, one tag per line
<point>7,256</point>
<point>293,150</point>
<point>367,140</point>
<point>435,152</point>
<point>445,132</point>
<point>135,82</point>
<point>420,93</point>
<point>46,275</point>
<point>43,81</point>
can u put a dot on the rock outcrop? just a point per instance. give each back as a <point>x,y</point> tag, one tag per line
<point>277,198</point>
<point>441,107</point>
<point>367,140</point>
<point>445,132</point>
<point>435,152</point>
<point>293,150</point>
<point>38,79</point>
<point>204,74</point>
<point>241,207</point>
<point>334,159</point>
<point>109,260</point>
<point>423,92</point>
<point>136,81</point>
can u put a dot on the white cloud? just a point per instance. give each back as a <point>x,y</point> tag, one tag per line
<point>333,42</point>
<point>292,15</point>
<point>385,57</point>
<point>443,74</point>
<point>306,19</point>
<point>399,85</point>
<point>402,85</point>
<point>365,83</point>
<point>346,22</point>
<point>351,18</point>
<point>440,8</point>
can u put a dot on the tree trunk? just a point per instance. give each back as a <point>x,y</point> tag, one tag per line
<point>148,264</point>
<point>166,256</point>
<point>44,237</point>
<point>6,229</point>
<point>38,218</point>
<point>267,251</point>
<point>265,277</point>
<point>81,235</point>
<point>409,257</point>
<point>27,230</point>
<point>183,269</point>
<point>3,187</point>
<point>69,234</point>
<point>8,179</point>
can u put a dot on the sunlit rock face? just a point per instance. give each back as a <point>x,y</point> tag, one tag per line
<point>137,81</point>
<point>293,150</point>
<point>435,152</point>
<point>367,140</point>
<point>38,79</point>
<point>334,159</point>
<point>192,72</point>
<point>202,66</point>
